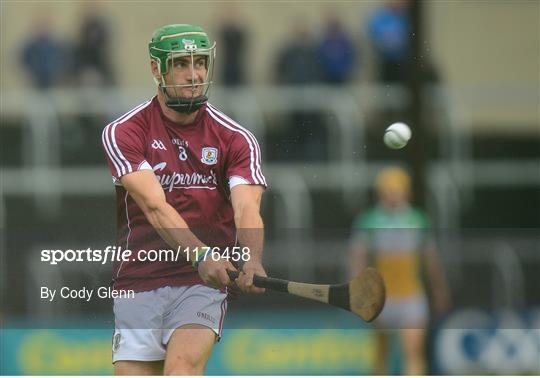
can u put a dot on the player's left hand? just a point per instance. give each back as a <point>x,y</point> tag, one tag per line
<point>245,279</point>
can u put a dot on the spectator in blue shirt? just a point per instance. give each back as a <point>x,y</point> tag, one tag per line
<point>389,32</point>
<point>336,54</point>
<point>44,57</point>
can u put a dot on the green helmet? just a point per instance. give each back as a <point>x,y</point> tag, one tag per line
<point>171,42</point>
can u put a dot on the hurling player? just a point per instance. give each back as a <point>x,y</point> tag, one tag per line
<point>186,177</point>
<point>395,238</point>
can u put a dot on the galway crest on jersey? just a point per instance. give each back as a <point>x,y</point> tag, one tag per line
<point>209,155</point>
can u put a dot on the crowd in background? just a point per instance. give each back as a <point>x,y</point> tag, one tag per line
<point>51,61</point>
<point>332,56</point>
<point>329,57</point>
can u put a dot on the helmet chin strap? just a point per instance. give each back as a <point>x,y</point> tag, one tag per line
<point>183,105</point>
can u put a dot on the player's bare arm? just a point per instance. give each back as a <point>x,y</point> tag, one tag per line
<point>246,201</point>
<point>145,189</point>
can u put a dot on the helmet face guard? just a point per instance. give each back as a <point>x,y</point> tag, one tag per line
<point>178,42</point>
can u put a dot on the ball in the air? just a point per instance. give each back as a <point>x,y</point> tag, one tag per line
<point>397,135</point>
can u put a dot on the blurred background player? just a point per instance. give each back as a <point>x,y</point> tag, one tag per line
<point>394,237</point>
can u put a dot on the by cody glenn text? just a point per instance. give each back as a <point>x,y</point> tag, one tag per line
<point>84,293</point>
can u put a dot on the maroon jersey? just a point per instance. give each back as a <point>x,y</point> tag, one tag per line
<point>197,165</point>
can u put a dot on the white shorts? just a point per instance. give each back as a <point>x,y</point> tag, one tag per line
<point>144,324</point>
<point>409,312</point>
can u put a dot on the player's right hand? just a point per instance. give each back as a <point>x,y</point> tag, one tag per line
<point>214,273</point>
